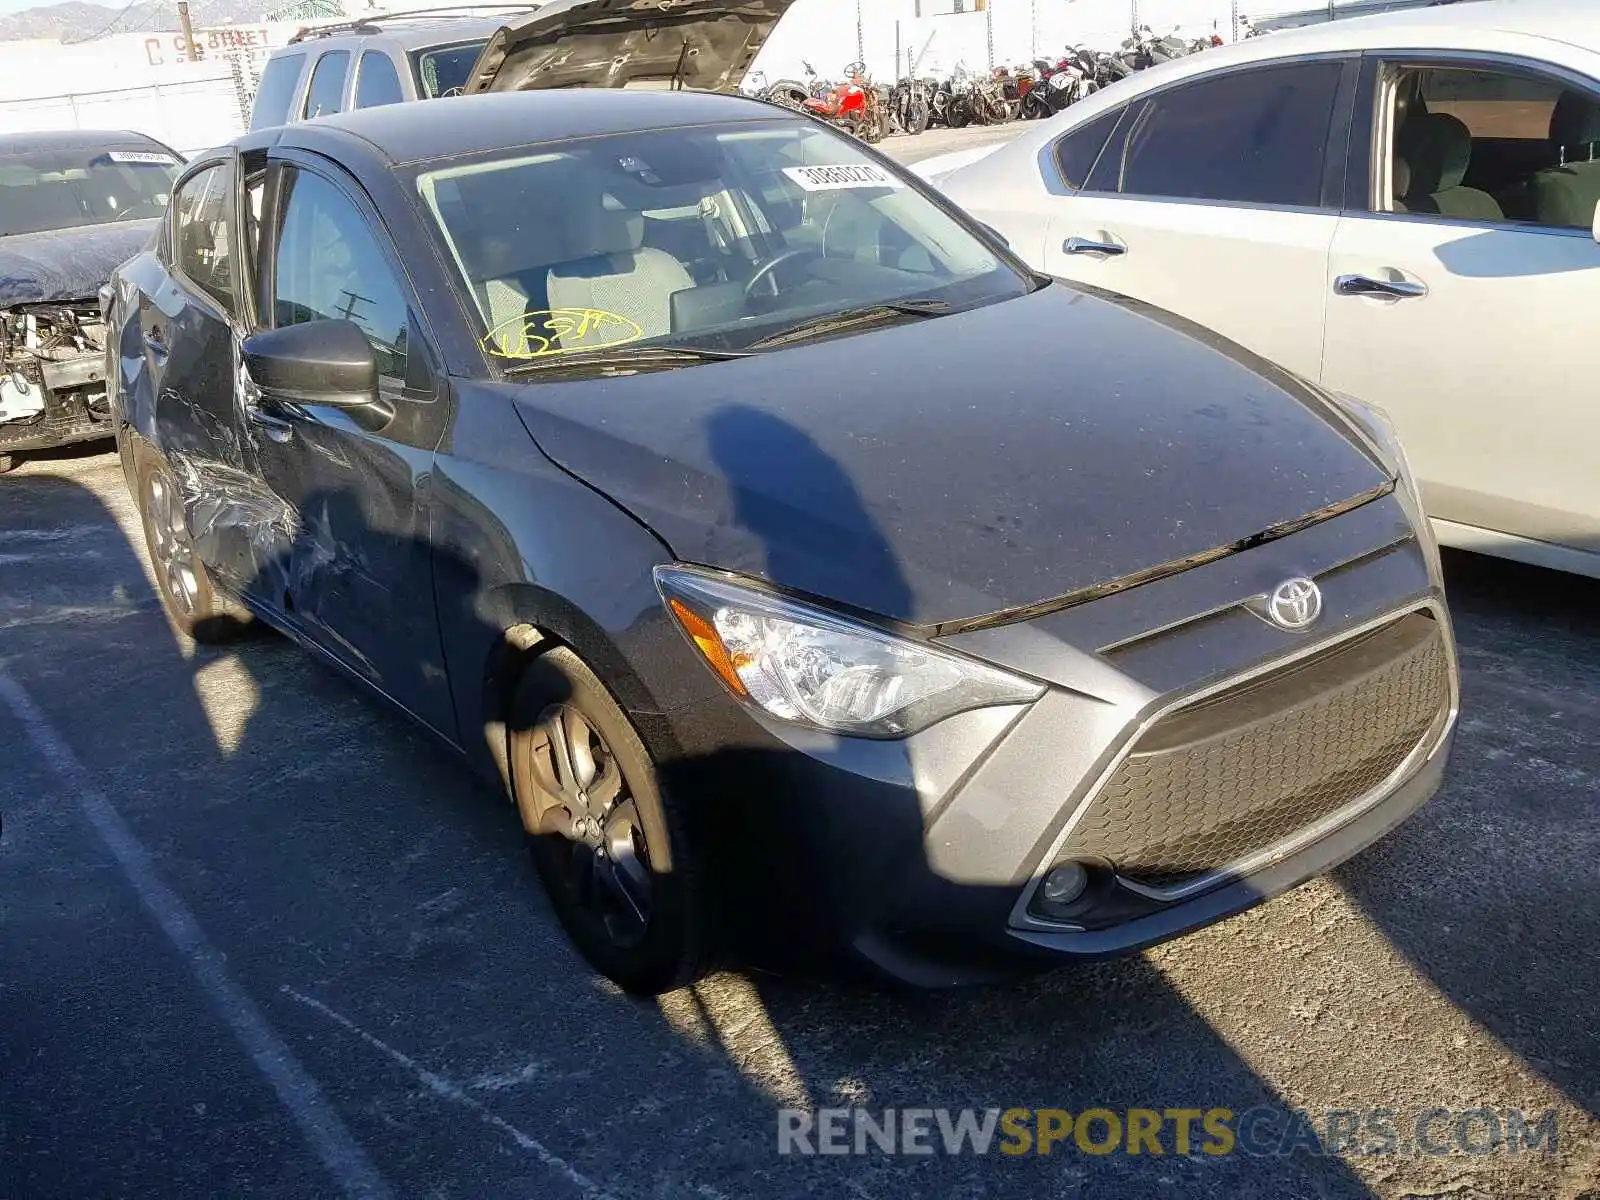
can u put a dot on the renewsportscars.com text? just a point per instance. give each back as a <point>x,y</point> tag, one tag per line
<point>1260,1132</point>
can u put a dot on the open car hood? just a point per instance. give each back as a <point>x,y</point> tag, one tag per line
<point>708,45</point>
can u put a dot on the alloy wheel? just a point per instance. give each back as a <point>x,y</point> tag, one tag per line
<point>584,800</point>
<point>171,548</point>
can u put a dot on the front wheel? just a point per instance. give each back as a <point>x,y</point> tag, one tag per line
<point>611,847</point>
<point>959,114</point>
<point>182,579</point>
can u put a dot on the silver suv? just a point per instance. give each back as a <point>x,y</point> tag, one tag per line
<point>365,62</point>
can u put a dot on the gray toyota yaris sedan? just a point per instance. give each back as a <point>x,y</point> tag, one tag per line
<point>811,573</point>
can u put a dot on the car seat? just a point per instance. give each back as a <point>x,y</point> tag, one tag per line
<point>1565,196</point>
<point>1437,150</point>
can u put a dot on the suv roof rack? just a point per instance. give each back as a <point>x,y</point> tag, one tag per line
<point>370,25</point>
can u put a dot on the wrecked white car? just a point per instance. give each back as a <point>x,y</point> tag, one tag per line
<point>73,205</point>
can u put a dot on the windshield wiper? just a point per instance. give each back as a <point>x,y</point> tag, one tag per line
<point>851,318</point>
<point>623,357</point>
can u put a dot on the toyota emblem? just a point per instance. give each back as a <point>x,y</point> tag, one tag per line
<point>1295,604</point>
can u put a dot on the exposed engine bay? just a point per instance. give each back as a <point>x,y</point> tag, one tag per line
<point>52,373</point>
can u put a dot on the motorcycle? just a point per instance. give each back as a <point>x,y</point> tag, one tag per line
<point>857,107</point>
<point>911,106</point>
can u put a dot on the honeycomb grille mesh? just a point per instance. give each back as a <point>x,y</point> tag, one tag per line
<point>1177,812</point>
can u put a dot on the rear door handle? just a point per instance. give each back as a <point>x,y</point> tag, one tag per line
<point>276,428</point>
<point>1079,245</point>
<point>1384,289</point>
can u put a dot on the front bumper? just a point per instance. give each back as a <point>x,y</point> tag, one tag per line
<point>922,856</point>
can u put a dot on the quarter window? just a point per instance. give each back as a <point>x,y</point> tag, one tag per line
<point>325,96</point>
<point>378,83</point>
<point>1257,136</point>
<point>1077,151</point>
<point>202,234</point>
<point>329,266</point>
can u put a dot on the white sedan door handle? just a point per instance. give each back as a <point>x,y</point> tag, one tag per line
<point>1079,245</point>
<point>1384,289</point>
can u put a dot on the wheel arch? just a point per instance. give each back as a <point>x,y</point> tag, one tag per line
<point>530,620</point>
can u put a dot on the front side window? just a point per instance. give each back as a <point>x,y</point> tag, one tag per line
<point>378,83</point>
<point>202,234</point>
<point>63,189</point>
<point>445,70</point>
<point>712,237</point>
<point>1479,144</point>
<point>329,266</point>
<point>275,93</point>
<point>1256,136</point>
<point>325,96</point>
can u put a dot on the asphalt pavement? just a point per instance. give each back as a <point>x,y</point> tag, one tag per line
<point>259,936</point>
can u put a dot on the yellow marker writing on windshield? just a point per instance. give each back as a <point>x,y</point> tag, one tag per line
<point>551,332</point>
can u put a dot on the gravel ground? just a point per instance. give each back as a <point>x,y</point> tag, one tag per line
<point>259,936</point>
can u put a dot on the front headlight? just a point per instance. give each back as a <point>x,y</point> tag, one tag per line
<point>802,664</point>
<point>1379,428</point>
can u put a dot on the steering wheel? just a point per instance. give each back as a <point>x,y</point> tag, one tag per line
<point>766,272</point>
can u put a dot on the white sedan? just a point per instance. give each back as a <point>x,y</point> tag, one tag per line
<point>1401,207</point>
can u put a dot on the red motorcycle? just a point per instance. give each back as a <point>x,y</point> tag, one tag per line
<point>856,107</point>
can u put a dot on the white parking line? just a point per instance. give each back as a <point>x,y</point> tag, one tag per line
<point>446,1090</point>
<point>334,1146</point>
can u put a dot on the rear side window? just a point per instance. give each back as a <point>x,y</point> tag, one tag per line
<point>1251,137</point>
<point>276,92</point>
<point>1077,151</point>
<point>445,70</point>
<point>325,96</point>
<point>378,82</point>
<point>202,238</point>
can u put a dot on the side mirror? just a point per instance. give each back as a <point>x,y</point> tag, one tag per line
<point>1594,227</point>
<point>328,362</point>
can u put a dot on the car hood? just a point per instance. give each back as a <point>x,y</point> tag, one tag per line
<point>708,44</point>
<point>66,264</point>
<point>963,465</point>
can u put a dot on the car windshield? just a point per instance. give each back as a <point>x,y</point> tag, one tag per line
<point>444,70</point>
<point>63,189</point>
<point>711,238</point>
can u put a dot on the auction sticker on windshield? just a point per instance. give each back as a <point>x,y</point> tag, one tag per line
<point>141,156</point>
<point>851,175</point>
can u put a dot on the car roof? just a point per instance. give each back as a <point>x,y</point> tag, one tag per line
<point>1573,21</point>
<point>73,139</point>
<point>466,125</point>
<point>417,33</point>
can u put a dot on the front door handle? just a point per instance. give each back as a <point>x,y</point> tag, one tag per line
<point>1384,289</point>
<point>1079,245</point>
<point>276,428</point>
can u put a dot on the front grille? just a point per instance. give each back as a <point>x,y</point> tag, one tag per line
<point>1221,780</point>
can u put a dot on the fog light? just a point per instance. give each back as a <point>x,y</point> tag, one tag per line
<point>1064,884</point>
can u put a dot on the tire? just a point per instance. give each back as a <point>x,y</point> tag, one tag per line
<point>959,114</point>
<point>193,603</point>
<point>917,117</point>
<point>624,880</point>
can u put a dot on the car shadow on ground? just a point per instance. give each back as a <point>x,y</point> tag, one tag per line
<point>1514,946</point>
<point>347,867</point>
